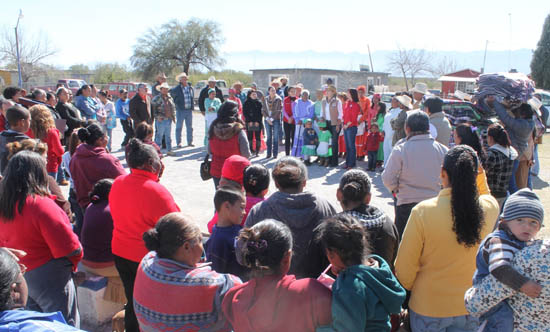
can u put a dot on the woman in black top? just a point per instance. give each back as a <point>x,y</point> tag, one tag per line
<point>252,111</point>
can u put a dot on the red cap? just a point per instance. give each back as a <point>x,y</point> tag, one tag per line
<point>362,87</point>
<point>233,168</point>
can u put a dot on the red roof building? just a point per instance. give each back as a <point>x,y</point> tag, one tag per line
<point>464,80</point>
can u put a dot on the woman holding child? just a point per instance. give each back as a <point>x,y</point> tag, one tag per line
<point>436,258</point>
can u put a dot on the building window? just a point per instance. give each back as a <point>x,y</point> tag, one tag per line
<point>467,87</point>
<point>329,80</point>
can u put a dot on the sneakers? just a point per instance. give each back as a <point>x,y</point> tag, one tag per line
<point>170,153</point>
<point>63,182</point>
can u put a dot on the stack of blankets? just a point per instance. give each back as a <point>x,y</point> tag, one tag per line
<point>515,86</point>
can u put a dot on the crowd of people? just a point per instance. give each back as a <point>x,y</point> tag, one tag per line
<point>461,254</point>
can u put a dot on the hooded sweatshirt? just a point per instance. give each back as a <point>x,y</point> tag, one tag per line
<point>363,297</point>
<point>383,235</point>
<point>301,213</point>
<point>90,164</point>
<point>277,303</point>
<point>8,136</point>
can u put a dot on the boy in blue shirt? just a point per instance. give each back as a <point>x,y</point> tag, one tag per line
<point>230,205</point>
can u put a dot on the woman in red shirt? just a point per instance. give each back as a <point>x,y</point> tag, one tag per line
<point>351,112</point>
<point>31,221</point>
<point>289,125</point>
<point>273,300</point>
<point>43,127</point>
<point>137,202</point>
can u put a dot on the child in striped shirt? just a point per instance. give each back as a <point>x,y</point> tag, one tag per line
<point>521,219</point>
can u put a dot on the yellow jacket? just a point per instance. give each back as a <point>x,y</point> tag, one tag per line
<point>430,261</point>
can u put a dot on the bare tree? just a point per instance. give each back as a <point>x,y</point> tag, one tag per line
<point>32,51</point>
<point>409,63</point>
<point>445,65</point>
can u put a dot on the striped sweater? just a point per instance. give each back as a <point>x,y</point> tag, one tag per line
<point>495,255</point>
<point>171,296</point>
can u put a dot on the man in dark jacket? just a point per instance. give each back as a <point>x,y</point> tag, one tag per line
<point>19,119</point>
<point>204,93</point>
<point>300,210</point>
<point>68,112</point>
<point>140,106</point>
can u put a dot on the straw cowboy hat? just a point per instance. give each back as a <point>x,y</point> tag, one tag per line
<point>283,78</point>
<point>161,75</point>
<point>178,78</point>
<point>420,88</point>
<point>211,79</point>
<point>163,85</point>
<point>405,101</point>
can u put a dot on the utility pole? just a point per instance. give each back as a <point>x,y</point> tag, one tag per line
<point>370,58</point>
<point>510,50</point>
<point>17,49</point>
<point>484,57</point>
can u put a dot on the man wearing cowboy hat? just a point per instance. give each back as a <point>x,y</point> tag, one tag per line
<point>161,78</point>
<point>164,111</point>
<point>419,91</point>
<point>204,93</point>
<point>184,97</point>
<point>284,85</point>
<point>398,123</point>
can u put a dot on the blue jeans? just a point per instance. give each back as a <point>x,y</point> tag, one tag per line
<point>53,175</point>
<point>187,117</point>
<point>163,128</point>
<point>536,167</point>
<point>499,319</point>
<point>272,137</point>
<point>351,154</point>
<point>464,323</point>
<point>110,135</point>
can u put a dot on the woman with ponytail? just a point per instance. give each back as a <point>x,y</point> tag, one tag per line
<point>272,300</point>
<point>365,292</point>
<point>91,162</point>
<point>354,196</point>
<point>436,258</point>
<point>174,289</point>
<point>500,162</point>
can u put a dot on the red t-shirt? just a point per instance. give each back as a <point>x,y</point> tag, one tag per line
<point>42,230</point>
<point>275,303</point>
<point>137,202</point>
<point>55,150</point>
<point>351,112</point>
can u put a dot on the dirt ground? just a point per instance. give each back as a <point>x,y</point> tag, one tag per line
<point>541,183</point>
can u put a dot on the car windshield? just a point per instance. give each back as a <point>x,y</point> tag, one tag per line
<point>74,84</point>
<point>386,98</point>
<point>200,85</point>
<point>221,84</point>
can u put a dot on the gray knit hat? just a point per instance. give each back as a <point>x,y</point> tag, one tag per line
<point>523,203</point>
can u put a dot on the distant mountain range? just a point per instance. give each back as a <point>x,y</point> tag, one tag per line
<point>496,60</point>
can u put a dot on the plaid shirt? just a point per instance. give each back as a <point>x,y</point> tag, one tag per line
<point>158,106</point>
<point>187,96</point>
<point>499,168</point>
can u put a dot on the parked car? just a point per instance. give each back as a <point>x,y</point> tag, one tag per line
<point>221,84</point>
<point>458,112</point>
<point>386,98</point>
<point>72,84</point>
<point>131,87</point>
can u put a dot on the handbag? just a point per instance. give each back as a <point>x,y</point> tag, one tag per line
<point>205,169</point>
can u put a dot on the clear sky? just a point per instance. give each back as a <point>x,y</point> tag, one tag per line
<point>105,31</point>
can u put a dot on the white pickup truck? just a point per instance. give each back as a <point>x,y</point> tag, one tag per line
<point>221,84</point>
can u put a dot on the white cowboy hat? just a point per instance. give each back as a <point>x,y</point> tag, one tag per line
<point>405,101</point>
<point>283,78</point>
<point>163,85</point>
<point>180,75</point>
<point>211,79</point>
<point>420,88</point>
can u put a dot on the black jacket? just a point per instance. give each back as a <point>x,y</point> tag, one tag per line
<point>140,111</point>
<point>8,136</point>
<point>70,113</point>
<point>204,94</point>
<point>252,110</point>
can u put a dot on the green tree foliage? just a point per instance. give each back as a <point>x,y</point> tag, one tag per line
<point>540,65</point>
<point>111,72</point>
<point>230,76</point>
<point>177,46</point>
<point>79,69</point>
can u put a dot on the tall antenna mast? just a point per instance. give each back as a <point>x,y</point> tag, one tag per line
<point>370,58</point>
<point>484,57</point>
